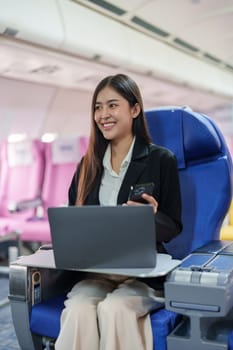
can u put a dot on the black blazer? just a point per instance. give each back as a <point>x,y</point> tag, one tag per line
<point>149,163</point>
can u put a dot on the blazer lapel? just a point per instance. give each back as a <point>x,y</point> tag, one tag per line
<point>93,197</point>
<point>135,169</point>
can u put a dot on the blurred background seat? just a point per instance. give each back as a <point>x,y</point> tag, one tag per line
<point>61,159</point>
<point>21,178</point>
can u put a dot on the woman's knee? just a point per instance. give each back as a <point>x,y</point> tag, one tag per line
<point>111,305</point>
<point>80,305</point>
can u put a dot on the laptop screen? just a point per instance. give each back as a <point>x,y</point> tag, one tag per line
<point>90,237</point>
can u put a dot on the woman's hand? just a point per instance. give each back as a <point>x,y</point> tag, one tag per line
<point>150,200</point>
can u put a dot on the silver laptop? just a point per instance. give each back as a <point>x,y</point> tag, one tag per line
<point>108,239</point>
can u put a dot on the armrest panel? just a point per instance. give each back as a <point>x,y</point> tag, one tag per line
<point>53,283</point>
<point>24,205</point>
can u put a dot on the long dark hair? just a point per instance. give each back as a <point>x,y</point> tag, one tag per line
<point>91,164</point>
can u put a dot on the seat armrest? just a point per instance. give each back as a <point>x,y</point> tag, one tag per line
<point>24,205</point>
<point>48,246</point>
<point>53,282</point>
<point>23,292</point>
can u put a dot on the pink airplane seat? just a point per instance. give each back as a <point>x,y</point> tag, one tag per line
<point>83,144</point>
<point>61,158</point>
<point>21,177</point>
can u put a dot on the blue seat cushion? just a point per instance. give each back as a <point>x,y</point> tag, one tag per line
<point>45,317</point>
<point>230,341</point>
<point>162,323</point>
<point>45,320</point>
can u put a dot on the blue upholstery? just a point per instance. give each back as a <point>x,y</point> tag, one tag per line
<point>162,321</point>
<point>205,171</point>
<point>205,176</point>
<point>48,325</point>
<point>230,341</point>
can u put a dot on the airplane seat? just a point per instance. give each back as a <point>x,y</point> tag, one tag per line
<point>205,171</point>
<point>21,177</point>
<point>83,144</point>
<point>230,342</point>
<point>61,157</point>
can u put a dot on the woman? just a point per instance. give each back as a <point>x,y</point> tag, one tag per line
<point>110,312</point>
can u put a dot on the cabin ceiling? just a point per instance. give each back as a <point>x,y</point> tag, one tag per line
<point>25,62</point>
<point>202,29</point>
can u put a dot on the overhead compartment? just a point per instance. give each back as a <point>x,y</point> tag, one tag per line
<point>92,35</point>
<point>79,31</point>
<point>148,55</point>
<point>35,21</point>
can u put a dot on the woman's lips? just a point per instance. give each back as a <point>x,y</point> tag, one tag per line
<point>107,126</point>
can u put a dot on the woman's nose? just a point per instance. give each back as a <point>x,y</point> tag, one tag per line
<point>105,112</point>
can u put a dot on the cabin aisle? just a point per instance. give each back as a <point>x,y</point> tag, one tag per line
<point>8,340</point>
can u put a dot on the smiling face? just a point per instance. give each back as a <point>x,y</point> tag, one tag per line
<point>113,115</point>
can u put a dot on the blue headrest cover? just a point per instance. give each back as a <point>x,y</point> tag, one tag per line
<point>190,136</point>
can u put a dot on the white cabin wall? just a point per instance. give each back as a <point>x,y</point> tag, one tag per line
<point>69,113</point>
<point>35,109</point>
<point>23,107</point>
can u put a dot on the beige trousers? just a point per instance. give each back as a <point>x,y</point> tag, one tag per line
<point>101,314</point>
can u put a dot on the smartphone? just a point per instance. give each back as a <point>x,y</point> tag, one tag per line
<point>136,192</point>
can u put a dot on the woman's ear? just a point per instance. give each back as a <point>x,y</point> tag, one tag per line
<point>136,110</point>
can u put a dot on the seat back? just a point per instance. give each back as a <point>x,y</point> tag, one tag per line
<point>61,156</point>
<point>21,175</point>
<point>83,144</point>
<point>205,172</point>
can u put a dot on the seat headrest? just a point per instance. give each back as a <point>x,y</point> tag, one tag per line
<point>20,153</point>
<point>190,136</point>
<point>65,150</point>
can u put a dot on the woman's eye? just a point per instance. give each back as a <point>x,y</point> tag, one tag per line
<point>112,105</point>
<point>97,108</point>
